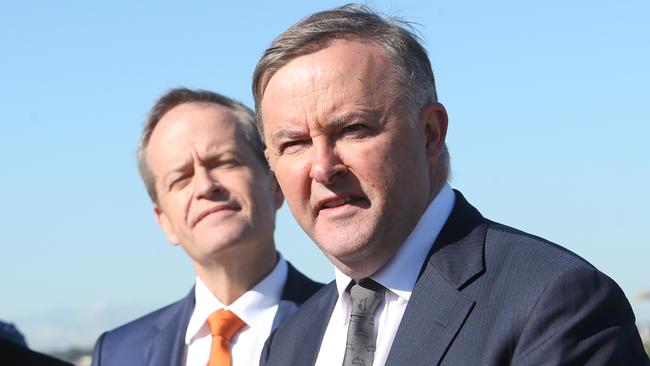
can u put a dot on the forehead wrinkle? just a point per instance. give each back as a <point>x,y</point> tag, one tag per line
<point>181,159</point>
<point>303,95</point>
<point>212,151</point>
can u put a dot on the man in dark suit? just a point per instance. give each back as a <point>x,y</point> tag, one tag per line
<point>347,105</point>
<point>202,162</point>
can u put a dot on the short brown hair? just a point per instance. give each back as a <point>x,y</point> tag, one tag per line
<point>178,96</point>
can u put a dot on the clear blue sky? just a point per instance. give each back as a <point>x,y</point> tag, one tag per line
<point>549,132</point>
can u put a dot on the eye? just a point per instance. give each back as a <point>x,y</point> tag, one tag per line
<point>353,128</point>
<point>354,131</point>
<point>292,146</point>
<point>228,163</point>
<point>225,161</point>
<point>179,182</point>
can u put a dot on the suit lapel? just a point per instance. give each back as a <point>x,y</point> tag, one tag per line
<point>168,345</point>
<point>313,330</point>
<point>308,333</point>
<point>434,315</point>
<point>297,289</point>
<point>437,308</point>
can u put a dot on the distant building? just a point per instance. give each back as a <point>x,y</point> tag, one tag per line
<point>83,360</point>
<point>644,330</point>
<point>79,356</point>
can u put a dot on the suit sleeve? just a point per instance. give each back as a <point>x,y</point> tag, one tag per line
<point>581,318</point>
<point>97,351</point>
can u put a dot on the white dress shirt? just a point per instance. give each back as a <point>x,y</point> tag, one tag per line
<point>257,308</point>
<point>398,276</point>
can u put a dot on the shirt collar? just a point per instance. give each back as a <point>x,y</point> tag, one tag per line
<point>256,307</point>
<point>401,272</point>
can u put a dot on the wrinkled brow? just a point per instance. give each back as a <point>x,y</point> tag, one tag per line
<point>285,135</point>
<point>346,118</point>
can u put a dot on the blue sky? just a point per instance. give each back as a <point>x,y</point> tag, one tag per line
<point>549,126</point>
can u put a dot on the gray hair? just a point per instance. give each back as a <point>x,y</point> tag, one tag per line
<point>175,97</point>
<point>354,21</point>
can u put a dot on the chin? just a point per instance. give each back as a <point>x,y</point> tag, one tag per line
<point>345,250</point>
<point>214,248</point>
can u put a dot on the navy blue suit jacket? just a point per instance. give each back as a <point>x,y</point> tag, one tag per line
<point>489,295</point>
<point>158,339</point>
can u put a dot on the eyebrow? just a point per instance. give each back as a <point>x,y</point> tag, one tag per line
<point>177,170</point>
<point>285,134</point>
<point>345,118</point>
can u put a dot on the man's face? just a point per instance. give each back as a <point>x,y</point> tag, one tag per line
<point>356,173</point>
<point>215,198</point>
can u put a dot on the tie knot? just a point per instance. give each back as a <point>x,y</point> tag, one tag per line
<point>225,324</point>
<point>366,294</point>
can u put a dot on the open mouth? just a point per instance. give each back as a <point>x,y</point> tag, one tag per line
<point>336,202</point>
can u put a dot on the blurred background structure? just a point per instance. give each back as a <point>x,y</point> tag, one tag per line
<point>644,327</point>
<point>549,126</point>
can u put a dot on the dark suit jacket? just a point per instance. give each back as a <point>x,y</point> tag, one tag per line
<point>12,354</point>
<point>489,295</point>
<point>157,339</point>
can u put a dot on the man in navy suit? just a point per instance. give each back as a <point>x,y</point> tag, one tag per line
<point>202,161</point>
<point>347,105</point>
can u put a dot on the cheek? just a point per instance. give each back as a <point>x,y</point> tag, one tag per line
<point>372,164</point>
<point>294,182</point>
<point>293,178</point>
<point>175,204</point>
<point>378,181</point>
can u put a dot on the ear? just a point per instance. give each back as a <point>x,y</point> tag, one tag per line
<point>165,224</point>
<point>278,196</point>
<point>266,156</point>
<point>433,117</point>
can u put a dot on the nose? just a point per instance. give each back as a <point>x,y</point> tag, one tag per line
<point>205,185</point>
<point>327,165</point>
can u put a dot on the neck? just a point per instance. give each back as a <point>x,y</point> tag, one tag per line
<point>363,265</point>
<point>358,269</point>
<point>230,276</point>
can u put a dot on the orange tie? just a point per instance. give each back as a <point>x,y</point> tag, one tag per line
<point>224,324</point>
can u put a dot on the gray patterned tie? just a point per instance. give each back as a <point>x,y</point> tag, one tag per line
<point>360,347</point>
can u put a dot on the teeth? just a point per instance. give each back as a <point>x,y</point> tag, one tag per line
<point>337,202</point>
